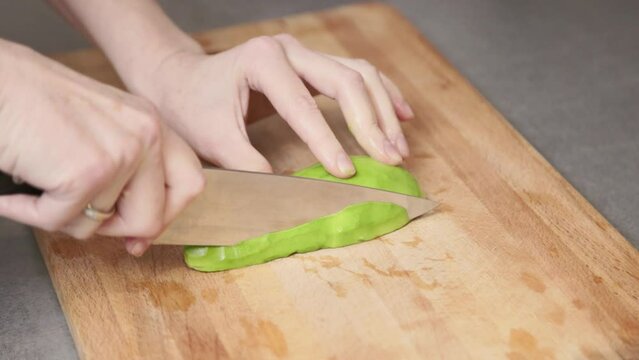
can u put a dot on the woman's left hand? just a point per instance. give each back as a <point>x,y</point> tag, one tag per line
<point>205,99</point>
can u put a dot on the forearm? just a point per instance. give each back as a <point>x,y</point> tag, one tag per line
<point>8,52</point>
<point>3,71</point>
<point>3,67</point>
<point>135,34</point>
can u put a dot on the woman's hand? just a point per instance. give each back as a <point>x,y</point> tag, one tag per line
<point>205,99</point>
<point>83,143</point>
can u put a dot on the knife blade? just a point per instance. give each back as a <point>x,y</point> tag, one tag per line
<point>239,205</point>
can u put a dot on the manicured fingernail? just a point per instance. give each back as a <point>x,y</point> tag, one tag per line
<point>345,165</point>
<point>402,145</point>
<point>391,152</point>
<point>408,110</point>
<point>135,248</point>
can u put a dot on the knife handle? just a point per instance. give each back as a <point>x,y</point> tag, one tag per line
<point>9,187</point>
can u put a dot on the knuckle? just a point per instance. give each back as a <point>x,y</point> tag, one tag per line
<point>93,172</point>
<point>301,104</point>
<point>286,38</point>
<point>100,169</point>
<point>364,64</point>
<point>149,130</point>
<point>146,123</point>
<point>367,69</point>
<point>129,152</point>
<point>263,45</point>
<point>352,78</point>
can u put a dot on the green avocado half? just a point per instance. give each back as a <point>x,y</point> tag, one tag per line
<point>353,224</point>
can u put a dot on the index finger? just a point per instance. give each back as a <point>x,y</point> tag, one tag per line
<point>276,79</point>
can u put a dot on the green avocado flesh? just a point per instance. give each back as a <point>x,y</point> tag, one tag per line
<point>353,224</point>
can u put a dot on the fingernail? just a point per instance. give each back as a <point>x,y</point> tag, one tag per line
<point>408,110</point>
<point>402,145</point>
<point>135,248</point>
<point>345,165</point>
<point>391,152</point>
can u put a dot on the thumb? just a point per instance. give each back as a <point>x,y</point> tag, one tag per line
<point>236,152</point>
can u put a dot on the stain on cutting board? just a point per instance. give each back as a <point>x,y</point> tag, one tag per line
<point>557,315</point>
<point>523,345</point>
<point>264,333</point>
<point>532,282</point>
<point>327,262</point>
<point>166,295</point>
<point>210,295</point>
<point>413,243</point>
<point>106,249</point>
<point>394,272</point>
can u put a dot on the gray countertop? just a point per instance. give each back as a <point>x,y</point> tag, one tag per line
<point>565,73</point>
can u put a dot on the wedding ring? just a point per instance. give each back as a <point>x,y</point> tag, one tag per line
<point>98,215</point>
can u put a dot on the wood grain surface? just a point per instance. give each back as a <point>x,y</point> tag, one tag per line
<point>515,264</point>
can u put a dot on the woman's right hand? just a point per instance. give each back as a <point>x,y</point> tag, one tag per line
<point>83,142</point>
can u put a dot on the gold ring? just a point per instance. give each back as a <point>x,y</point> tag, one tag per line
<point>97,215</point>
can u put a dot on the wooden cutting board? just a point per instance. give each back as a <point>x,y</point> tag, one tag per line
<point>515,264</point>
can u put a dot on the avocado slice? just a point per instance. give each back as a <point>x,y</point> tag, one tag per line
<point>353,224</point>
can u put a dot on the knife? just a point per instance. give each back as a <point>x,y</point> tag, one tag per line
<point>238,205</point>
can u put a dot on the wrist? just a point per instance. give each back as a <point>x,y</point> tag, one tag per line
<point>142,38</point>
<point>142,73</point>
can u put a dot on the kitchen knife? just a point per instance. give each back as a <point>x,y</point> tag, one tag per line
<point>238,205</point>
